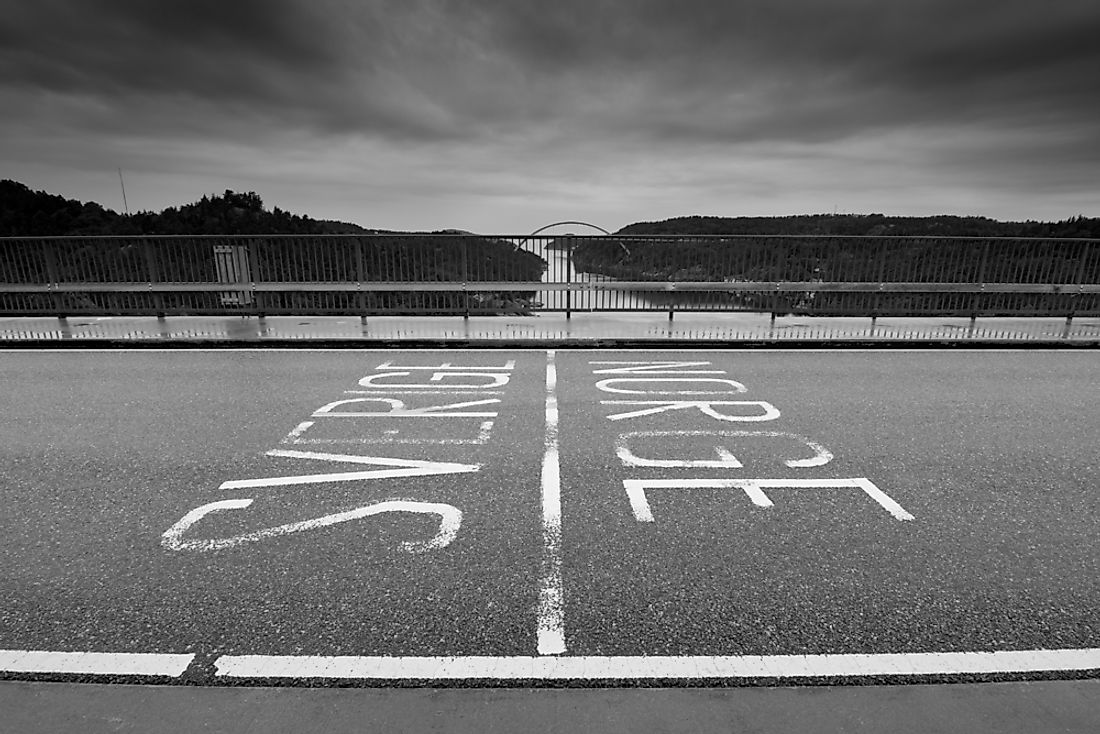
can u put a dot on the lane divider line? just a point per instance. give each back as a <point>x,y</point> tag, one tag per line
<point>655,667</point>
<point>94,663</point>
<point>551,606</point>
<point>559,668</point>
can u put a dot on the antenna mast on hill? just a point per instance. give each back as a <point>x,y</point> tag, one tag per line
<point>123,185</point>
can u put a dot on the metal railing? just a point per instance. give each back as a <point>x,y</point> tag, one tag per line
<point>474,274</point>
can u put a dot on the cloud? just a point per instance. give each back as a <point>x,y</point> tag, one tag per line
<point>118,48</point>
<point>748,70</point>
<point>562,96</point>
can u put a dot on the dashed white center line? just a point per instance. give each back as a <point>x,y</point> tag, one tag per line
<point>551,609</point>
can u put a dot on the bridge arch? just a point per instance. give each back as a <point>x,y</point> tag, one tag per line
<point>568,221</point>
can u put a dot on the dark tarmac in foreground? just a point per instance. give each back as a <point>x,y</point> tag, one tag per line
<point>1066,707</point>
<point>795,511</point>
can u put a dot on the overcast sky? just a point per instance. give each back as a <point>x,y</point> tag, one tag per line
<point>505,116</point>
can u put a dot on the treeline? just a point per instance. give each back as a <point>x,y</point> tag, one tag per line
<point>851,225</point>
<point>384,256</point>
<point>846,248</point>
<point>27,213</point>
<point>871,248</point>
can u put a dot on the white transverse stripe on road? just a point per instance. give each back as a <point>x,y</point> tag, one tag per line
<point>95,663</point>
<point>551,611</point>
<point>655,667</point>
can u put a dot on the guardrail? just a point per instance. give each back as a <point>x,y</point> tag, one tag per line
<point>480,274</point>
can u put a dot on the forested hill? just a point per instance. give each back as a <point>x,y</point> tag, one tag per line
<point>390,256</point>
<point>867,224</point>
<point>27,213</point>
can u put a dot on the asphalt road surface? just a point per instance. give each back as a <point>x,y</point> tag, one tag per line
<point>530,514</point>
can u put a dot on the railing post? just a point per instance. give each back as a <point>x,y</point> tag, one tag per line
<point>52,274</point>
<point>465,252</point>
<point>569,240</point>
<point>360,276</point>
<point>258,302</point>
<point>979,281</point>
<point>780,272</point>
<point>151,272</point>
<point>672,299</point>
<point>1077,280</point>
<point>881,275</point>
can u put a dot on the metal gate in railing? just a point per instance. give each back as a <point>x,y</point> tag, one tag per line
<point>457,273</point>
<point>231,262</point>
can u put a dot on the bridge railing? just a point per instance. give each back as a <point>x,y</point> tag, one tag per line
<point>457,273</point>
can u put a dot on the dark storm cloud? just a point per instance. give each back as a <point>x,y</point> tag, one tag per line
<point>745,70</point>
<point>650,69</point>
<point>561,106</point>
<point>289,62</point>
<point>203,47</point>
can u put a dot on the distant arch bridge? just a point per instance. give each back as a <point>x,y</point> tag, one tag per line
<point>567,222</point>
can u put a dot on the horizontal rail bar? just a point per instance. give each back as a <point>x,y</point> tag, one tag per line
<point>219,238</point>
<point>512,285</point>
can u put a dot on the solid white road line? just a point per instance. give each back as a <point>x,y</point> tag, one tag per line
<point>551,609</point>
<point>94,663</point>
<point>558,668</point>
<point>655,667</point>
<point>719,348</point>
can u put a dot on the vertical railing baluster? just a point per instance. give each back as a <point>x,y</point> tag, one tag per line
<point>464,253</point>
<point>1078,279</point>
<point>259,299</point>
<point>780,271</point>
<point>52,273</point>
<point>980,282</point>
<point>152,272</point>
<point>360,277</point>
<point>569,241</point>
<point>880,271</point>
